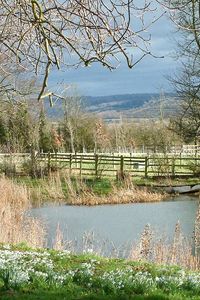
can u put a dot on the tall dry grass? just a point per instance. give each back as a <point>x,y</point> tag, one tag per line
<point>128,193</point>
<point>121,196</point>
<point>60,188</point>
<point>48,190</point>
<point>179,251</point>
<point>149,248</point>
<point>15,225</point>
<point>197,233</point>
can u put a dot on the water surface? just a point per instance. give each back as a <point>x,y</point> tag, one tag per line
<point>120,223</point>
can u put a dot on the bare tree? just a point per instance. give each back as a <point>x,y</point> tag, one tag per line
<point>73,115</point>
<point>185,15</point>
<point>38,35</point>
<point>187,121</point>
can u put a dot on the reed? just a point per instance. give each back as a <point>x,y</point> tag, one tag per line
<point>149,248</point>
<point>61,188</point>
<point>128,193</point>
<point>179,251</point>
<point>197,233</point>
<point>47,190</point>
<point>15,225</point>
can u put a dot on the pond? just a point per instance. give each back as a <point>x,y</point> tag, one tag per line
<point>119,223</point>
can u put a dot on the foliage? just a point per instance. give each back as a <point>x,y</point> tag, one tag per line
<point>17,127</point>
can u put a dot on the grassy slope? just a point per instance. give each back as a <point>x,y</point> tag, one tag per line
<point>84,284</point>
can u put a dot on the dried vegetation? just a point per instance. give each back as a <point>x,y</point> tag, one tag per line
<point>15,224</point>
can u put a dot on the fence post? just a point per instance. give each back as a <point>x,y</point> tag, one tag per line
<point>81,166</point>
<point>173,166</point>
<point>33,163</point>
<point>56,159</point>
<point>49,163</point>
<point>122,166</point>
<point>146,167</point>
<point>70,164</point>
<point>96,164</point>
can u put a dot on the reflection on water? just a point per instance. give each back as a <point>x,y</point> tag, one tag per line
<point>120,223</point>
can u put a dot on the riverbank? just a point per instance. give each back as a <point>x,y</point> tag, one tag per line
<point>16,226</point>
<point>76,191</point>
<point>61,188</point>
<point>27,273</point>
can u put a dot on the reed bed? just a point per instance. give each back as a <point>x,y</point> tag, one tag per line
<point>61,188</point>
<point>15,225</point>
<point>44,191</point>
<point>179,251</point>
<point>121,196</point>
<point>128,193</point>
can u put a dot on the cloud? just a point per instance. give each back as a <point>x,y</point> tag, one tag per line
<point>147,77</point>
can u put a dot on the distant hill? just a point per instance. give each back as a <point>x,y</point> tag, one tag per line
<point>127,106</point>
<point>117,102</point>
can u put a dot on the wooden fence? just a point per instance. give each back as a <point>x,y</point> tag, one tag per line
<point>101,164</point>
<point>111,165</point>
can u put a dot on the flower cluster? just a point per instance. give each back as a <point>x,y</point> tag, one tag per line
<point>19,268</point>
<point>122,279</point>
<point>180,280</point>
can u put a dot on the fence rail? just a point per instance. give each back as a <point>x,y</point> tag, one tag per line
<point>101,164</point>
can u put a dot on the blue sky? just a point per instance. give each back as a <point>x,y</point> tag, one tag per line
<point>149,76</point>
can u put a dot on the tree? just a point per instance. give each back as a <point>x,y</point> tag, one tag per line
<point>77,126</point>
<point>45,141</point>
<point>72,118</point>
<point>38,35</point>
<point>187,121</point>
<point>186,16</point>
<point>17,126</point>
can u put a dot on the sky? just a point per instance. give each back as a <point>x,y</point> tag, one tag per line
<point>149,76</point>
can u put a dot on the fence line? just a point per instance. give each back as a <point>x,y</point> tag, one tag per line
<point>101,164</point>
<point>111,165</point>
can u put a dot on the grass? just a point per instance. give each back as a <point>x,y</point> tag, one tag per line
<point>165,181</point>
<point>75,191</point>
<point>27,273</point>
<point>67,295</point>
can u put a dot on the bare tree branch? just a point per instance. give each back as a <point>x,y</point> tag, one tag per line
<point>37,35</point>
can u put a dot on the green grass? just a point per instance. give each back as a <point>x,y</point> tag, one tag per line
<point>45,190</point>
<point>101,186</point>
<point>87,276</point>
<point>104,185</point>
<point>68,295</point>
